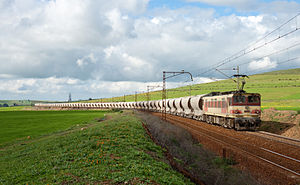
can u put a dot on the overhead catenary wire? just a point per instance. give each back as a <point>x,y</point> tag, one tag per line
<point>274,53</point>
<point>282,62</point>
<point>249,48</point>
<point>254,47</point>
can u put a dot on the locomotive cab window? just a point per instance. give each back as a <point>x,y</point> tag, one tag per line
<point>253,99</point>
<point>239,99</point>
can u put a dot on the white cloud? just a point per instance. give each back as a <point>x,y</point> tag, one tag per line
<point>8,76</point>
<point>29,88</point>
<point>86,60</point>
<point>263,64</point>
<point>88,46</point>
<point>108,51</point>
<point>54,88</point>
<point>255,23</point>
<point>80,62</point>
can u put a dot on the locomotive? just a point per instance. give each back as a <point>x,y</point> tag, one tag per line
<point>237,110</point>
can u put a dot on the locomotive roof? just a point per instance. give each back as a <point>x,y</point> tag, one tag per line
<point>227,93</point>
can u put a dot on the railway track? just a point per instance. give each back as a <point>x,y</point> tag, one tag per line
<point>272,160</point>
<point>275,137</point>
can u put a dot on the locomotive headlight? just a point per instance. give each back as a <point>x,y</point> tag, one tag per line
<point>236,111</point>
<point>256,111</point>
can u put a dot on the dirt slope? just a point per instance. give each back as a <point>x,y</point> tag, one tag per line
<point>286,123</point>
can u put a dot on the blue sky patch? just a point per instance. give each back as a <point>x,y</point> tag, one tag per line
<point>220,10</point>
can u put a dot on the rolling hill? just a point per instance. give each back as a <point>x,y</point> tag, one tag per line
<point>279,89</point>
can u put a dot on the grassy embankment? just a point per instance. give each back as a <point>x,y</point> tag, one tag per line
<point>279,89</point>
<point>108,152</point>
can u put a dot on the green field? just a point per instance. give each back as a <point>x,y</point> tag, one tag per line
<point>279,89</point>
<point>116,151</point>
<point>16,108</point>
<point>21,124</point>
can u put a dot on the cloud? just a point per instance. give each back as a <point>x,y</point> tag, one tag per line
<point>263,64</point>
<point>50,34</point>
<point>116,46</point>
<point>115,41</point>
<point>86,60</point>
<point>54,88</point>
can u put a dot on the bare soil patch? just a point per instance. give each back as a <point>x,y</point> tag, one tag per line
<point>286,123</point>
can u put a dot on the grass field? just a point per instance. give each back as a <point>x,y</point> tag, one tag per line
<point>16,108</point>
<point>279,89</point>
<point>20,124</point>
<point>116,151</point>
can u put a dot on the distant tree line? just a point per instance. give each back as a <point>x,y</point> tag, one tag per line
<point>4,105</point>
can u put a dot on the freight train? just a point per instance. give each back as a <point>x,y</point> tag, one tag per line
<point>237,110</point>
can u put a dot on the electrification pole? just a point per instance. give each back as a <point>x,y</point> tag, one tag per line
<point>237,77</point>
<point>164,101</point>
<point>70,98</point>
<point>148,94</point>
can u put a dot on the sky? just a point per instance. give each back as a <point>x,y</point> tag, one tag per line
<point>99,48</point>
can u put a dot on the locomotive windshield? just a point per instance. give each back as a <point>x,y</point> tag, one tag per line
<point>239,99</point>
<point>246,99</point>
<point>253,99</point>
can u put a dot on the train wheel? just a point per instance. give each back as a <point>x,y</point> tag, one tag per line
<point>230,123</point>
<point>227,122</point>
<point>210,118</point>
<point>223,122</point>
<point>237,126</point>
<point>204,118</point>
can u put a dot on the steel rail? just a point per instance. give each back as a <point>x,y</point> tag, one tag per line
<point>245,143</point>
<point>287,157</point>
<point>266,160</point>
<point>267,136</point>
<point>279,136</point>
